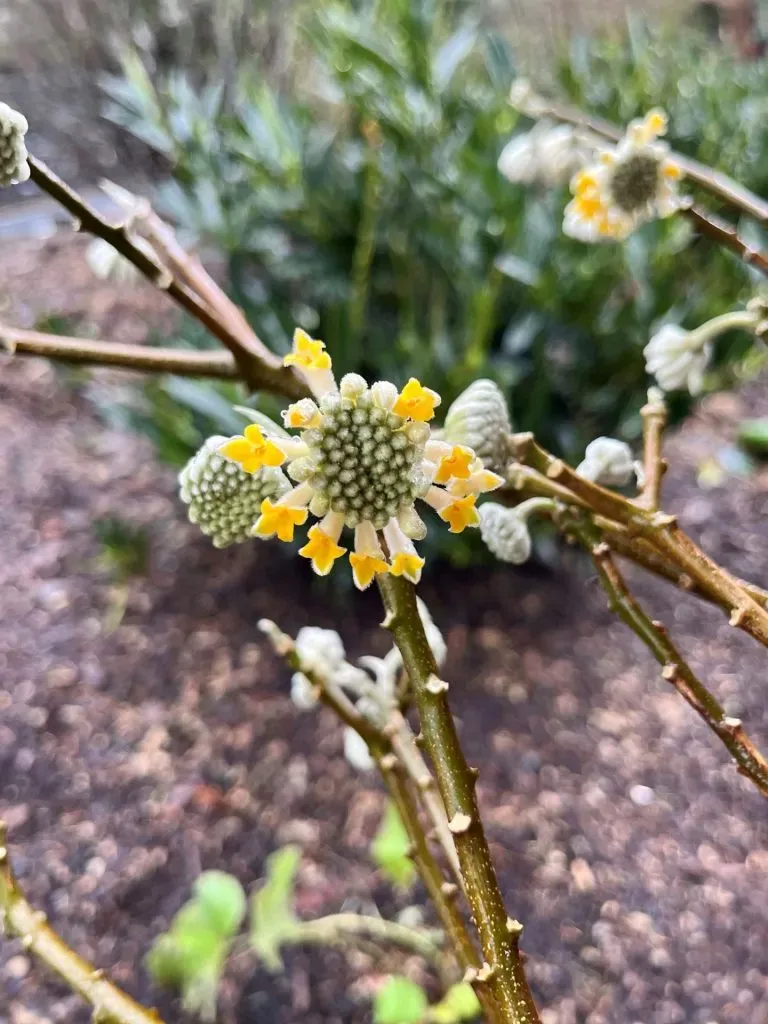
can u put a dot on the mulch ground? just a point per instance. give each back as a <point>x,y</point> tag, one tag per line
<point>132,759</point>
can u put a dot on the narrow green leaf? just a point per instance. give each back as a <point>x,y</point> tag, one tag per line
<point>223,899</point>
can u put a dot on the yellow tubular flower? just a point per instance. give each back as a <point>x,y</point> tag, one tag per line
<point>279,519</point>
<point>252,450</point>
<point>416,402</point>
<point>457,465</point>
<point>322,549</point>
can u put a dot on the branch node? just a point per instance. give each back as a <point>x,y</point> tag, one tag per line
<point>663,519</point>
<point>514,927</point>
<point>470,976</point>
<point>449,889</point>
<point>555,469</point>
<point>739,615</point>
<point>389,620</point>
<point>670,671</point>
<point>388,762</point>
<point>486,972</point>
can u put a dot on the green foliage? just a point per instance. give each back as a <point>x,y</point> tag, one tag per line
<point>371,212</point>
<point>458,1004</point>
<point>390,847</point>
<point>124,547</point>
<point>190,956</point>
<point>753,437</point>
<point>400,1001</point>
<point>272,917</point>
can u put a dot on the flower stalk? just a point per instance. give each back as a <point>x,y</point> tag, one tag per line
<point>502,970</point>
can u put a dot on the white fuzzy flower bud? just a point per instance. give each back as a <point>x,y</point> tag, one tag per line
<point>547,154</point>
<point>320,650</point>
<point>678,358</point>
<point>607,461</point>
<point>13,152</point>
<point>479,419</point>
<point>505,533</point>
<point>356,751</point>
<point>223,499</point>
<point>524,98</point>
<point>352,385</point>
<point>303,693</point>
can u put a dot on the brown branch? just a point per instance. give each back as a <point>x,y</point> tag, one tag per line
<point>751,763</point>
<point>654,415</point>
<point>659,529</point>
<point>725,235</point>
<point>259,367</point>
<point>220,365</point>
<point>502,969</point>
<point>37,937</point>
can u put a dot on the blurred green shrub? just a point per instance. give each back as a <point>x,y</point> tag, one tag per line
<point>362,202</point>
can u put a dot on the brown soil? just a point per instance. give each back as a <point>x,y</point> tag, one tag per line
<point>626,842</point>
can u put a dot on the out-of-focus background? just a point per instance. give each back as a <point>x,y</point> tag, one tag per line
<point>335,165</point>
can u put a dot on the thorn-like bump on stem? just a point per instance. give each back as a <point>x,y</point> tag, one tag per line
<point>514,927</point>
<point>460,823</point>
<point>485,973</point>
<point>448,889</point>
<point>388,762</point>
<point>669,671</point>
<point>436,685</point>
<point>738,615</point>
<point>470,976</point>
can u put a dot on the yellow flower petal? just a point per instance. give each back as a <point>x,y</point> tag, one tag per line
<point>455,465</point>
<point>408,565</point>
<point>322,550</point>
<point>279,519</point>
<point>365,567</point>
<point>253,450</point>
<point>656,122</point>
<point>416,402</point>
<point>460,514</point>
<point>303,415</point>
<point>671,170</point>
<point>308,353</point>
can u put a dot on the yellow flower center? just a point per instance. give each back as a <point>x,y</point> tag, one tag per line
<point>279,519</point>
<point>460,513</point>
<point>455,465</point>
<point>308,353</point>
<point>322,550</point>
<point>365,567</point>
<point>253,450</point>
<point>416,401</point>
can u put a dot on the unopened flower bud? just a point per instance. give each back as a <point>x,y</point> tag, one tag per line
<point>607,461</point>
<point>505,533</point>
<point>479,419</point>
<point>678,358</point>
<point>13,152</point>
<point>356,751</point>
<point>224,500</point>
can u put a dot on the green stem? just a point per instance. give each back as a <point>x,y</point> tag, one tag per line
<point>502,970</point>
<point>340,928</point>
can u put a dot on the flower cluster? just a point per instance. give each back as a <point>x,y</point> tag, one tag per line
<point>629,184</point>
<point>505,530</point>
<point>362,458</point>
<point>609,462</point>
<point>13,152</point>
<point>224,499</point>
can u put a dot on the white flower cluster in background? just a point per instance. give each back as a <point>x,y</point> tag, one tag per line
<point>14,167</point>
<point>627,185</point>
<point>549,154</point>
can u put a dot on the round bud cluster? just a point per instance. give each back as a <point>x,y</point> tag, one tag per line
<point>608,461</point>
<point>13,153</point>
<point>634,183</point>
<point>223,499</point>
<point>505,533</point>
<point>479,419</point>
<point>362,461</point>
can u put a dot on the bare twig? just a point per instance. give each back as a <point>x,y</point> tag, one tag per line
<point>660,530</point>
<point>220,365</point>
<point>502,969</point>
<point>259,367</point>
<point>751,763</point>
<point>110,1004</point>
<point>654,415</point>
